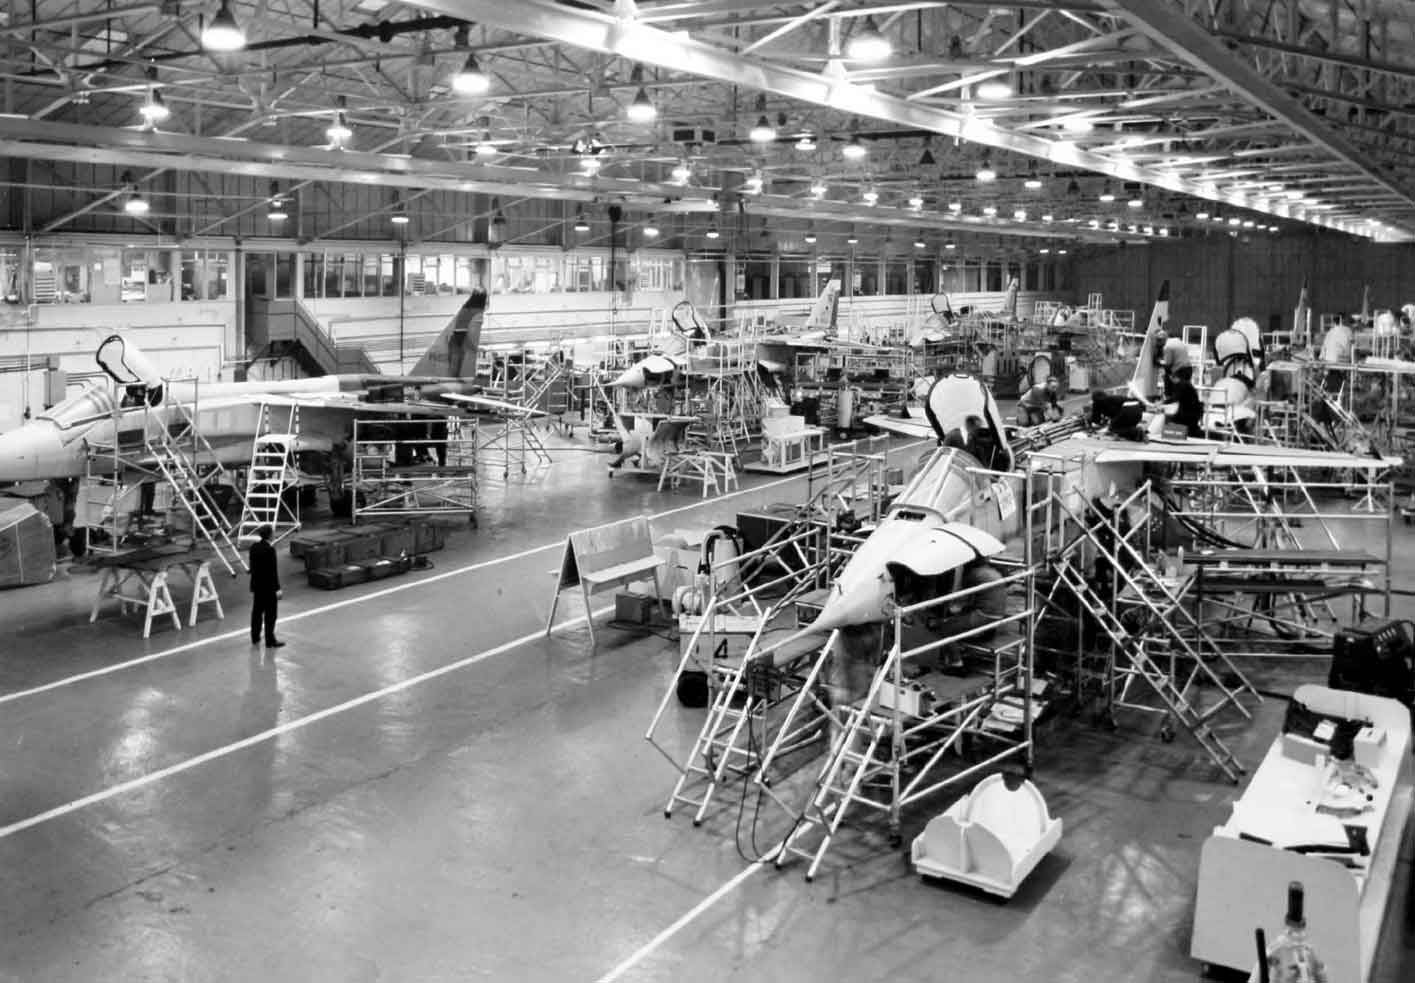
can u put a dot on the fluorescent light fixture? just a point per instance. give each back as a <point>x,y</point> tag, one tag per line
<point>399,218</point>
<point>1032,183</point>
<point>1235,221</point>
<point>1094,223</point>
<point>868,44</point>
<point>471,80</point>
<point>681,172</point>
<point>955,206</point>
<point>582,224</point>
<point>805,143</point>
<point>986,172</point>
<point>277,212</point>
<point>852,239</point>
<point>995,88</point>
<point>222,33</point>
<point>819,188</point>
<point>1106,194</point>
<point>753,184</point>
<point>1164,232</point>
<point>155,109</point>
<point>1135,203</point>
<point>486,148</point>
<point>763,132</point>
<point>1044,250</point>
<point>339,131</point>
<point>810,237</point>
<point>1201,216</point>
<point>1078,125</point>
<point>854,150</point>
<point>1047,218</point>
<point>642,109</point>
<point>916,201</point>
<point>712,232</point>
<point>920,244</point>
<point>990,210</point>
<point>870,196</point>
<point>589,164</point>
<point>1019,215</point>
<point>1061,252</point>
<point>650,231</point>
<point>136,204</point>
<point>950,245</point>
<point>1248,223</point>
<point>1149,230</point>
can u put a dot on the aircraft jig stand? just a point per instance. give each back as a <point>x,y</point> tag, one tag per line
<point>401,467</point>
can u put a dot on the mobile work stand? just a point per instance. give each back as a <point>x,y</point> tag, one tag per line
<point>893,747</point>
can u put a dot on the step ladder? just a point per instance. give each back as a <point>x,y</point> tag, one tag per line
<point>271,474</point>
<point>1144,666</point>
<point>179,469</point>
<point>1169,622</point>
<point>724,746</point>
<point>843,783</point>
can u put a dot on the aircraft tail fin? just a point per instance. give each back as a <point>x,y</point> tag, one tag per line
<point>822,316</point>
<point>1302,318</point>
<point>1142,381</point>
<point>453,354</point>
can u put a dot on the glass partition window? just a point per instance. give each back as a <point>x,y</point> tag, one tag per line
<point>10,275</point>
<point>313,282</point>
<point>584,273</point>
<point>896,277</point>
<point>470,275</point>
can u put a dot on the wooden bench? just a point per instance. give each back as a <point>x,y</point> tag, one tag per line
<point>604,558</point>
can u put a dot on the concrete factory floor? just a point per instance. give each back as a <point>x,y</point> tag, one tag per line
<point>422,788</point>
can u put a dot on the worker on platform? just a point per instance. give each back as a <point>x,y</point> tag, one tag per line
<point>265,589</point>
<point>1182,403</point>
<point>1040,404</point>
<point>1173,357</point>
<point>1121,414</point>
<point>1338,347</point>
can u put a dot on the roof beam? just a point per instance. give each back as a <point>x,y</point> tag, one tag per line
<point>1187,39</point>
<point>633,39</point>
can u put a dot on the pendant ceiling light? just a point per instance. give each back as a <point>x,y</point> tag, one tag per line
<point>222,33</point>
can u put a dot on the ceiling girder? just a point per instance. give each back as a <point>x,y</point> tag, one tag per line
<point>1166,25</point>
<point>638,40</point>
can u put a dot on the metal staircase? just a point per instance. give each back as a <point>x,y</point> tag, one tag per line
<point>179,468</point>
<point>271,474</point>
<point>1158,622</point>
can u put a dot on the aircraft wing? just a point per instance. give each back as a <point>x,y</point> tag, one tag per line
<point>1241,456</point>
<point>494,405</point>
<point>904,426</point>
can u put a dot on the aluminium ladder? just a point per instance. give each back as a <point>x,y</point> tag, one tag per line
<point>272,473</point>
<point>179,469</point>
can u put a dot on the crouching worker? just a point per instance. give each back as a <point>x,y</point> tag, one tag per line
<point>1122,414</point>
<point>1040,404</point>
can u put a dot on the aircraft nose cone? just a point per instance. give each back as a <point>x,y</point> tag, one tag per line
<point>24,453</point>
<point>631,378</point>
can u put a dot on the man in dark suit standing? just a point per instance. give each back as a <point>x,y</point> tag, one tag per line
<point>265,589</point>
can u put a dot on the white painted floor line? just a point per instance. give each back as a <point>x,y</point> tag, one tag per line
<point>359,599</point>
<point>291,725</point>
<point>683,922</point>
